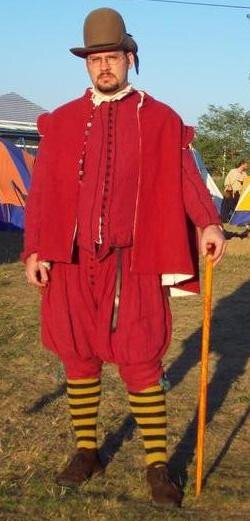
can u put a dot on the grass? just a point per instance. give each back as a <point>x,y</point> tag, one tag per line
<point>37,438</point>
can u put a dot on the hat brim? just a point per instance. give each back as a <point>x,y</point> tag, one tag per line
<point>83,52</point>
<point>127,44</point>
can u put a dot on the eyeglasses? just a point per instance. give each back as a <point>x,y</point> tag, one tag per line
<point>109,59</point>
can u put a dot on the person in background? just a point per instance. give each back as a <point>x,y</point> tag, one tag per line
<point>111,220</point>
<point>232,189</point>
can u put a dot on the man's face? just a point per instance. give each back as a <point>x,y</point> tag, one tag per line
<point>243,167</point>
<point>109,70</point>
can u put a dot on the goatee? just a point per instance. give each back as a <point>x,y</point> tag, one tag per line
<point>107,87</point>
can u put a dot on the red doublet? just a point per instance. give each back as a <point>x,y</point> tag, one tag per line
<point>108,185</point>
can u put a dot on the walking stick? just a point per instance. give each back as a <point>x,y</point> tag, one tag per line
<point>208,278</point>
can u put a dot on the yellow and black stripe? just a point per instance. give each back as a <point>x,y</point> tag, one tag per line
<point>149,410</point>
<point>84,398</point>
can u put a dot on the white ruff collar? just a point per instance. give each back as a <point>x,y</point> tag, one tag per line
<point>98,97</point>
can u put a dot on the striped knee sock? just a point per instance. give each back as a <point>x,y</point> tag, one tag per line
<point>149,410</point>
<point>84,397</point>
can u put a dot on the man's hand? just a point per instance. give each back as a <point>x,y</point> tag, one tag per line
<point>36,272</point>
<point>212,241</point>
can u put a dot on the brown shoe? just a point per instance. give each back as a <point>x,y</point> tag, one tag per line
<point>83,465</point>
<point>164,491</point>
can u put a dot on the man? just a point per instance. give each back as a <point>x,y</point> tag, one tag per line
<point>111,215</point>
<point>232,189</point>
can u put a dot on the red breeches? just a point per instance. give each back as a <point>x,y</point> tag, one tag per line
<point>77,312</point>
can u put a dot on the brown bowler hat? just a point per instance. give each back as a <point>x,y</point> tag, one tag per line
<point>104,30</point>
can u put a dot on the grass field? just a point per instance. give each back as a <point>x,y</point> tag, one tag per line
<point>36,434</point>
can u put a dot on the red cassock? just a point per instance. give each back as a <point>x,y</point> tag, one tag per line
<point>114,183</point>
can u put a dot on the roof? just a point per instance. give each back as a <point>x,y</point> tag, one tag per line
<point>16,109</point>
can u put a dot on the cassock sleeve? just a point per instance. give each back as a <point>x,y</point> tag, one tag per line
<point>197,199</point>
<point>33,203</point>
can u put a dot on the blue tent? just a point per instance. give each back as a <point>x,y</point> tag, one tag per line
<point>15,176</point>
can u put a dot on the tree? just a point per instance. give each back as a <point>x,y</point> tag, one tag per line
<point>223,137</point>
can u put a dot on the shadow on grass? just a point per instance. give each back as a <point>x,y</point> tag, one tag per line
<point>230,340</point>
<point>46,399</point>
<point>114,440</point>
<point>11,243</point>
<point>227,445</point>
<point>240,235</point>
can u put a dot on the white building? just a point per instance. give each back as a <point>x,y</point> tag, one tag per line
<point>18,121</point>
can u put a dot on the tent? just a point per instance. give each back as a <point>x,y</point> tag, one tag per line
<point>15,175</point>
<point>241,215</point>
<point>208,180</point>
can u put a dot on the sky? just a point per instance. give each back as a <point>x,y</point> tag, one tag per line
<point>191,56</point>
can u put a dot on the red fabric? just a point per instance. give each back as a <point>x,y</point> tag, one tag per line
<point>166,201</point>
<point>77,309</point>
<point>104,189</point>
<point>52,201</point>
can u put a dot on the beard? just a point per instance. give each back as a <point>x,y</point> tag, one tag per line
<point>107,83</point>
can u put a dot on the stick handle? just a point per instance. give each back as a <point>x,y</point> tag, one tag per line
<point>208,280</point>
